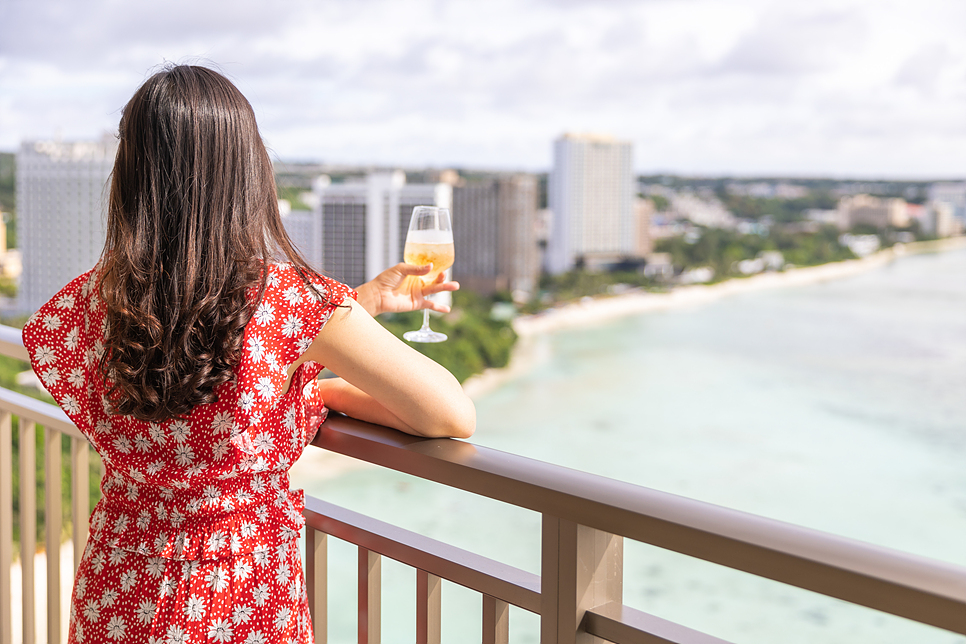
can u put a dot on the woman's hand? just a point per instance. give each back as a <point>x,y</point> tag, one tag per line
<point>398,289</point>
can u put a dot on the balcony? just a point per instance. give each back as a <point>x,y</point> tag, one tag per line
<point>585,519</point>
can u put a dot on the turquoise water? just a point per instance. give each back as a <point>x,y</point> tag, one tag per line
<point>838,406</point>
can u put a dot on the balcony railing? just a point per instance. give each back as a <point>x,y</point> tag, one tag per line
<point>585,519</point>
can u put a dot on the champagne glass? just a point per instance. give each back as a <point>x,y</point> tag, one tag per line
<point>429,241</point>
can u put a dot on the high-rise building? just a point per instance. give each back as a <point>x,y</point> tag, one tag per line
<point>591,195</point>
<point>62,196</point>
<point>495,232</point>
<point>358,229</point>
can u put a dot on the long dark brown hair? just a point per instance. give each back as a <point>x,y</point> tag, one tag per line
<point>193,222</point>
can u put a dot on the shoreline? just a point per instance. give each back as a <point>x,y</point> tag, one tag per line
<point>590,312</point>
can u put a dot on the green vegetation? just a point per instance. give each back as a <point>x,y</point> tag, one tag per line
<point>293,194</point>
<point>660,202</point>
<point>720,249</point>
<point>8,196</point>
<point>476,341</point>
<point>780,210</point>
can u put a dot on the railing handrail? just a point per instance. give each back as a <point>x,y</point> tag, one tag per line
<point>923,589</point>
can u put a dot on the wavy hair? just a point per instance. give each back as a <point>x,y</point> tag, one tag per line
<point>193,222</point>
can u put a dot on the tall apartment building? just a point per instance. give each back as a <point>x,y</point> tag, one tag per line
<point>495,233</point>
<point>62,196</point>
<point>952,193</point>
<point>591,194</point>
<point>358,229</point>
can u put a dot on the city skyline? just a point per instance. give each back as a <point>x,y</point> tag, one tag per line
<point>729,87</point>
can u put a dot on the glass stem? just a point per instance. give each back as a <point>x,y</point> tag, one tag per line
<point>425,321</point>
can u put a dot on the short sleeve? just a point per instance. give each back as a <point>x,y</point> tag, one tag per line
<point>57,338</point>
<point>283,326</point>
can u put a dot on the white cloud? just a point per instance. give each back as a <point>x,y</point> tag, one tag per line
<point>857,87</point>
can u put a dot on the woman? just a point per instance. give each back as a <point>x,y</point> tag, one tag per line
<point>188,356</point>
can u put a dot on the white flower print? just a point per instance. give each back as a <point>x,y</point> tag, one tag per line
<point>302,344</point>
<point>293,295</point>
<point>211,494</point>
<point>256,637</point>
<point>292,326</point>
<point>176,635</point>
<point>155,566</point>
<point>264,442</point>
<point>115,628</point>
<point>290,419</point>
<point>294,590</point>
<point>180,431</point>
<point>44,355</point>
<point>241,614</point>
<point>51,322</point>
<point>220,631</point>
<point>51,376</point>
<point>145,612</point>
<point>256,418</point>
<point>282,618</point>
<point>109,597</point>
<point>235,543</point>
<point>196,469</point>
<point>222,423</point>
<point>92,610</point>
<point>256,348</point>
<point>257,484</point>
<point>98,564</point>
<point>282,575</point>
<point>260,555</point>
<point>122,444</point>
<point>248,529</point>
<point>144,520</point>
<point>81,587</point>
<point>70,405</point>
<point>272,360</point>
<point>65,302</point>
<point>260,594</point>
<point>155,467</point>
<point>220,449</point>
<point>264,314</point>
<point>261,513</point>
<point>141,443</point>
<point>195,608</point>
<point>128,578</point>
<point>242,569</point>
<point>168,586</point>
<point>132,492</point>
<point>156,432</point>
<point>120,525</point>
<point>265,387</point>
<point>72,338</point>
<point>246,400</point>
<point>217,580</point>
<point>76,377</point>
<point>98,350</point>
<point>183,455</point>
<point>217,541</point>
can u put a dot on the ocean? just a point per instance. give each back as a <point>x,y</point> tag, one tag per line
<point>839,406</point>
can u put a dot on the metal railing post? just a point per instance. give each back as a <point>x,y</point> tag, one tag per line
<point>28,525</point>
<point>581,568</point>
<point>79,497</point>
<point>316,581</point>
<point>6,528</point>
<point>370,597</point>
<point>496,621</point>
<point>428,608</point>
<point>52,527</point>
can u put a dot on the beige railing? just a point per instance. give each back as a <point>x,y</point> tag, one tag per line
<point>585,518</point>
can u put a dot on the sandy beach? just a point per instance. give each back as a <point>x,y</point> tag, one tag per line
<point>602,309</point>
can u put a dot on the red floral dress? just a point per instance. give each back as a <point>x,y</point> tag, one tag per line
<point>194,538</point>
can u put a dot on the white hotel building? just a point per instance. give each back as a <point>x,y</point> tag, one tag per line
<point>591,194</point>
<point>62,196</point>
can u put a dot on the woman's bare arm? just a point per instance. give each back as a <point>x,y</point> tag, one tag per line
<point>385,380</point>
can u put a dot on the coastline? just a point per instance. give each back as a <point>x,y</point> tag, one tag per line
<point>593,311</point>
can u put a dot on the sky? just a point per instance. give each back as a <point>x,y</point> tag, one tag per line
<point>843,88</point>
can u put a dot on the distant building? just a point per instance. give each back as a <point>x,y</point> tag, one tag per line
<point>358,229</point>
<point>873,211</point>
<point>62,196</point>
<point>953,194</point>
<point>938,220</point>
<point>591,195</point>
<point>643,212</point>
<point>496,234</point>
